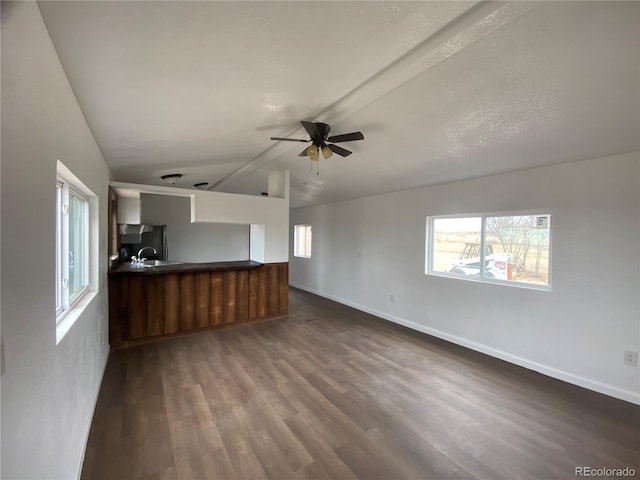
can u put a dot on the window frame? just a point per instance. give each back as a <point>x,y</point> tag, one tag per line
<point>75,298</point>
<point>429,248</point>
<point>296,241</point>
<point>59,248</point>
<point>65,300</point>
<point>67,313</point>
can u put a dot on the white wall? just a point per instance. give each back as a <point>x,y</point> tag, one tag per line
<point>48,390</point>
<point>367,249</point>
<point>194,242</point>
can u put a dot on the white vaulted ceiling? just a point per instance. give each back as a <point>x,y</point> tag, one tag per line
<point>441,90</point>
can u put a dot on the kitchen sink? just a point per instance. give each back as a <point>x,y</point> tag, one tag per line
<point>159,263</point>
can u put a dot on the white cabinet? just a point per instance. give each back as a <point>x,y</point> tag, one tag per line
<point>129,210</point>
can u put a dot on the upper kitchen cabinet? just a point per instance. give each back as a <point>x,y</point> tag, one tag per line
<point>129,210</point>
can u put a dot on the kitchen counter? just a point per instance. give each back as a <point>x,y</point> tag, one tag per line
<point>131,268</point>
<point>151,303</point>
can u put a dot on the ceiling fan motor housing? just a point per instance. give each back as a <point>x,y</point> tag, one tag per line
<point>323,130</point>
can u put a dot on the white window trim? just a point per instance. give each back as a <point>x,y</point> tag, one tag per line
<point>483,216</point>
<point>295,240</point>
<point>69,310</point>
<point>58,256</point>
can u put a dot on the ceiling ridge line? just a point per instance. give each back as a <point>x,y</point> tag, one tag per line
<point>415,59</point>
<point>482,19</point>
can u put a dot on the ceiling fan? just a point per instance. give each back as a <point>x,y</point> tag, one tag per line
<point>319,136</point>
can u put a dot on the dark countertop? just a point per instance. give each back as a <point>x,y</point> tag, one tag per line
<point>132,269</point>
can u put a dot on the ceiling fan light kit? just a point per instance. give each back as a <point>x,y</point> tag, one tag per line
<point>319,136</point>
<point>312,151</point>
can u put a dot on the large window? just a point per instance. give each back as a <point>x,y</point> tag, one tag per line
<point>513,248</point>
<point>302,241</point>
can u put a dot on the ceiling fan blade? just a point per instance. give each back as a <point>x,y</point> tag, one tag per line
<point>339,150</point>
<point>347,137</point>
<point>313,132</point>
<point>289,139</point>
<point>304,153</point>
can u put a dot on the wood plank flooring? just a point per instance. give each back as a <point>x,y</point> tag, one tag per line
<point>334,393</point>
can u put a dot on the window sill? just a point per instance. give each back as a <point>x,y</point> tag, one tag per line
<point>68,318</point>
<point>505,283</point>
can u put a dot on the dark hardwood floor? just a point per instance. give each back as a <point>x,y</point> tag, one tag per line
<point>334,393</point>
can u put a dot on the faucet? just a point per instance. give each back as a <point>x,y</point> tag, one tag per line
<point>140,259</point>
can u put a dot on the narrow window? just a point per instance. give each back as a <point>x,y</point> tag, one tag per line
<point>302,241</point>
<point>513,248</point>
<point>76,248</point>
<point>72,246</point>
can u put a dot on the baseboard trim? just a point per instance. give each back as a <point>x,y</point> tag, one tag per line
<point>606,389</point>
<point>88,428</point>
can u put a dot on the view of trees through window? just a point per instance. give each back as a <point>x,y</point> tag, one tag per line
<point>516,247</point>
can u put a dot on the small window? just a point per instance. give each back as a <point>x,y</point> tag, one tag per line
<point>302,241</point>
<point>512,248</point>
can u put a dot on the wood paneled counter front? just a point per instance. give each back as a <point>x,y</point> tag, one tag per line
<point>149,303</point>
